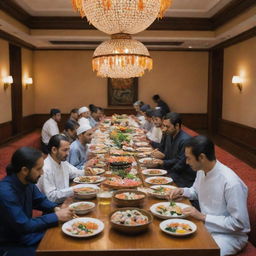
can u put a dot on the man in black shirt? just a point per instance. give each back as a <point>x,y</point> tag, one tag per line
<point>161,104</point>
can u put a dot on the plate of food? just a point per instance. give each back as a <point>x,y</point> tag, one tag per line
<point>85,191</point>
<point>89,179</point>
<point>143,154</point>
<point>160,191</point>
<point>178,227</point>
<point>144,149</point>
<point>119,183</point>
<point>83,227</point>
<point>154,172</point>
<point>156,180</point>
<point>130,220</point>
<point>82,207</point>
<point>99,164</point>
<point>97,171</point>
<point>141,144</point>
<point>167,210</point>
<point>129,197</point>
<point>121,160</point>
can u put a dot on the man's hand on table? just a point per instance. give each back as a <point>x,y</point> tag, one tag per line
<point>176,193</point>
<point>64,214</point>
<point>157,154</point>
<point>193,212</point>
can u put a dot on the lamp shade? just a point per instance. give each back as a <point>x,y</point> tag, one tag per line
<point>236,80</point>
<point>8,80</point>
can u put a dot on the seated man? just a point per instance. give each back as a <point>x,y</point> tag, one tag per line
<point>155,133</point>
<point>19,231</point>
<point>147,126</point>
<point>74,115</point>
<point>50,128</point>
<point>175,161</point>
<point>54,183</point>
<point>222,196</point>
<point>70,130</point>
<point>78,154</point>
<point>84,114</point>
<point>161,104</point>
<point>95,115</point>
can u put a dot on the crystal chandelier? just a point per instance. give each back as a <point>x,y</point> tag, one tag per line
<point>121,16</point>
<point>121,57</point>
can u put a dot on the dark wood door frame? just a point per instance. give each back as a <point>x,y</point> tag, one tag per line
<point>15,71</point>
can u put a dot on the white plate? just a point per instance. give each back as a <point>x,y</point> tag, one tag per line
<point>154,211</point>
<point>98,180</point>
<point>151,192</point>
<point>98,170</point>
<point>148,172</point>
<point>69,225</point>
<point>141,144</point>
<point>142,160</point>
<point>82,211</point>
<point>150,180</point>
<point>165,223</point>
<point>144,149</point>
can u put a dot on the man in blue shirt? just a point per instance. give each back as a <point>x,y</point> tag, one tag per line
<point>19,231</point>
<point>78,153</point>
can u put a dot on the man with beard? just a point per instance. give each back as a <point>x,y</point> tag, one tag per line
<point>175,161</point>
<point>54,183</point>
<point>78,154</point>
<point>19,231</point>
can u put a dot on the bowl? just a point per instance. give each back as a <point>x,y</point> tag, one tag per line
<point>82,207</point>
<point>86,191</point>
<point>131,229</point>
<point>128,202</point>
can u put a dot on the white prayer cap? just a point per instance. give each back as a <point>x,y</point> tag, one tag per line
<point>83,128</point>
<point>82,110</point>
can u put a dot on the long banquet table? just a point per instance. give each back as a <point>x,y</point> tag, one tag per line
<point>112,243</point>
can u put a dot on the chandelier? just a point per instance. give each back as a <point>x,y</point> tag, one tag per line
<point>121,16</point>
<point>121,57</point>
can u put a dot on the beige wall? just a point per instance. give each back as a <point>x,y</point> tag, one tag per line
<point>5,96</point>
<point>240,59</point>
<point>65,79</point>
<point>180,78</point>
<point>28,104</point>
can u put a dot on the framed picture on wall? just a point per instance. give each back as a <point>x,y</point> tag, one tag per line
<point>122,91</point>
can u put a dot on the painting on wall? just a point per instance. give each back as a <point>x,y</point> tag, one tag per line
<point>122,91</point>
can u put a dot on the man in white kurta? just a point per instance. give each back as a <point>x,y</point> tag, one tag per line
<point>50,127</point>
<point>54,183</point>
<point>222,197</point>
<point>155,133</point>
<point>84,114</point>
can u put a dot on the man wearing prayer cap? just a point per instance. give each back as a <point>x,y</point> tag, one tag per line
<point>84,114</point>
<point>78,154</point>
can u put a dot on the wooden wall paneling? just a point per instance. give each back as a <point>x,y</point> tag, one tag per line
<point>215,85</point>
<point>16,88</point>
<point>195,121</point>
<point>28,123</point>
<point>241,134</point>
<point>5,131</point>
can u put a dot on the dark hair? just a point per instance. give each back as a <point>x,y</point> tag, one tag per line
<point>74,110</point>
<point>91,107</point>
<point>55,141</point>
<point>157,113</point>
<point>174,118</point>
<point>23,157</point>
<point>94,109</point>
<point>70,125</point>
<point>144,107</point>
<point>101,109</point>
<point>156,97</point>
<point>201,144</point>
<point>54,111</point>
<point>149,112</point>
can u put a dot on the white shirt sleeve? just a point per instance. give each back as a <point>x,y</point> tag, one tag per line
<point>53,129</point>
<point>237,220</point>
<point>49,188</point>
<point>192,193</point>
<point>73,171</point>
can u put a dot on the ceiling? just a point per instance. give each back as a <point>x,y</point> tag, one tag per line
<point>190,24</point>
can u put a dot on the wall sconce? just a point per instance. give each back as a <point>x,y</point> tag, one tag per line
<point>29,81</point>
<point>237,80</point>
<point>7,82</point>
